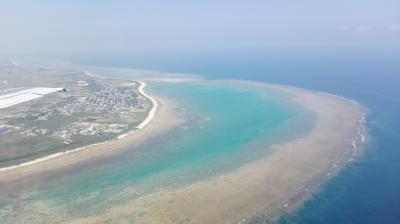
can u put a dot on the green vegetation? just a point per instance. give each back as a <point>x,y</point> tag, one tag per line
<point>91,110</point>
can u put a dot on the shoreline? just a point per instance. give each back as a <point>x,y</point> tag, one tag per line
<point>265,188</point>
<point>150,116</point>
<point>269,187</point>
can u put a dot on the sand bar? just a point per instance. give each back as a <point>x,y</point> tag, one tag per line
<point>262,189</point>
<point>268,187</point>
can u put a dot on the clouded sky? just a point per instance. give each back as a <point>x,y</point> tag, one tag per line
<point>99,26</point>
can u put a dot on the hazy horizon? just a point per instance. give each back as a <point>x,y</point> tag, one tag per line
<point>293,117</point>
<point>65,28</point>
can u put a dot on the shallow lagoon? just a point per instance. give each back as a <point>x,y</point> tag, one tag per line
<point>226,127</point>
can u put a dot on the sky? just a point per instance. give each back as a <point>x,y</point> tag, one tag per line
<point>155,26</point>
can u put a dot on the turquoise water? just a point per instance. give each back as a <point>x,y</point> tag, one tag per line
<point>227,126</point>
<point>366,191</point>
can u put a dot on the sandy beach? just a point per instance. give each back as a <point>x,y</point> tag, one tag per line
<point>162,106</point>
<point>154,106</point>
<point>268,187</point>
<point>150,114</point>
<point>260,190</point>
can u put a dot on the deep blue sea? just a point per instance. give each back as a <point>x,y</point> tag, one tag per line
<point>366,191</point>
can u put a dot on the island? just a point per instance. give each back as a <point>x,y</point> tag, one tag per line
<point>209,151</point>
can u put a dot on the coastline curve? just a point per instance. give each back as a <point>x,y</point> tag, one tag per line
<point>150,116</point>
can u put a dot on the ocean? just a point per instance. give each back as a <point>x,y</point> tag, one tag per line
<point>228,126</point>
<point>367,190</point>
